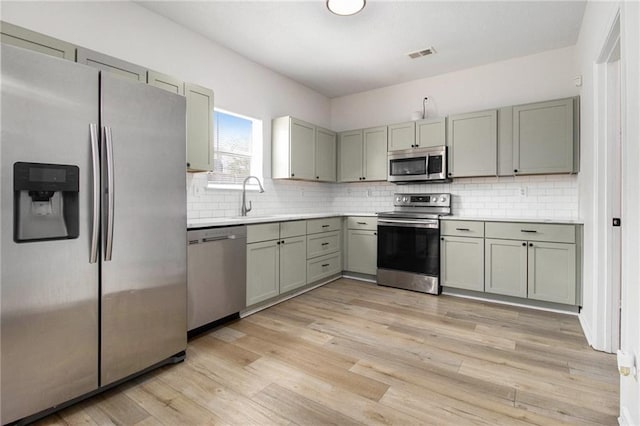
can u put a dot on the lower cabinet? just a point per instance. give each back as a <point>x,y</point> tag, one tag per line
<point>324,257</point>
<point>506,267</point>
<point>462,262</point>
<point>277,265</point>
<point>323,267</point>
<point>362,245</point>
<point>538,261</point>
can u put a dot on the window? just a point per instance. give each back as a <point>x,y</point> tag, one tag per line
<point>237,149</point>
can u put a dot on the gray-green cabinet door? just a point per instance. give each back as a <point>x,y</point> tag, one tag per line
<point>374,154</point>
<point>431,132</point>
<point>505,267</point>
<point>199,127</point>
<point>165,82</point>
<point>543,137</point>
<point>402,136</point>
<point>27,39</point>
<point>472,142</point>
<point>113,65</point>
<point>362,251</point>
<point>303,136</point>
<point>263,271</point>
<point>462,262</point>
<point>293,263</point>
<point>325,155</point>
<point>350,146</point>
<point>552,272</point>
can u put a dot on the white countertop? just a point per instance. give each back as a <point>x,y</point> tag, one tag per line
<point>248,220</point>
<point>516,219</point>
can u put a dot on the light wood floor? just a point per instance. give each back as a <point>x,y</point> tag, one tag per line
<point>354,353</point>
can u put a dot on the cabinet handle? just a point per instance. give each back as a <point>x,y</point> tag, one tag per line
<point>364,178</point>
<point>515,170</point>
<point>317,177</point>
<point>531,231</point>
<point>325,244</point>
<point>530,244</point>
<point>325,226</point>
<point>188,164</point>
<point>463,229</point>
<point>361,223</point>
<point>278,243</point>
<point>450,174</point>
<point>524,244</point>
<point>282,241</point>
<point>325,264</point>
<point>292,175</point>
<point>441,238</point>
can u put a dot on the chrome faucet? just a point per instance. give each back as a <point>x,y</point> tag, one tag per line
<point>246,210</point>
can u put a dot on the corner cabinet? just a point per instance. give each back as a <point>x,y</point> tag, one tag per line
<point>199,127</point>
<point>301,150</point>
<point>472,144</point>
<point>27,39</point>
<point>362,155</point>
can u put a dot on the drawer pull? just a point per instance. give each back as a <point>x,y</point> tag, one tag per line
<point>325,226</point>
<point>361,223</point>
<point>463,229</point>
<point>325,244</point>
<point>325,264</point>
<point>532,231</point>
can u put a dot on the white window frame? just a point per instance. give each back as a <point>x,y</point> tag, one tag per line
<point>256,168</point>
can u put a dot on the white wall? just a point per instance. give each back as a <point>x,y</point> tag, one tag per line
<point>597,21</point>
<point>130,32</point>
<point>543,76</point>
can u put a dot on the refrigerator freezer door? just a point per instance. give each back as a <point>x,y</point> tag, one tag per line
<point>144,284</point>
<point>49,308</point>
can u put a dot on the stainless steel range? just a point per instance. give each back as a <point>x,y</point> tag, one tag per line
<point>409,242</point>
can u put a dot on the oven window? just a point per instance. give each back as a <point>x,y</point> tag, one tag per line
<point>408,166</point>
<point>409,249</point>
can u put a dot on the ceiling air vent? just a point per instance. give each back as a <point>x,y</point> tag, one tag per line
<point>424,52</point>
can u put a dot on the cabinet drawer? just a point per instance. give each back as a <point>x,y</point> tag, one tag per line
<point>325,243</point>
<point>322,267</point>
<point>293,229</point>
<point>362,222</point>
<point>462,228</point>
<point>531,232</point>
<point>315,226</point>
<point>263,232</point>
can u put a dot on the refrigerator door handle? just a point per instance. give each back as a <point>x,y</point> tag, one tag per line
<point>95,162</point>
<point>110,194</point>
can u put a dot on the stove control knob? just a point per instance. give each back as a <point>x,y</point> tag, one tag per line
<point>443,198</point>
<point>405,199</point>
<point>398,199</point>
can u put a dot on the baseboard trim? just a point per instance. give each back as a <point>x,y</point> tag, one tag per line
<point>504,302</point>
<point>586,329</point>
<point>625,418</point>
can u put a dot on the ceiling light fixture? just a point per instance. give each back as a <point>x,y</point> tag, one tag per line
<point>346,7</point>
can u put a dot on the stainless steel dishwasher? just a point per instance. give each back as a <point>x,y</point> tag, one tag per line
<point>217,275</point>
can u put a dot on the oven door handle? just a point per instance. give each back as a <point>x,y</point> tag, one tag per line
<point>409,223</point>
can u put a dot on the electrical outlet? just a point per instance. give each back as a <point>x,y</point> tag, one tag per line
<point>626,364</point>
<point>523,191</point>
<point>369,193</point>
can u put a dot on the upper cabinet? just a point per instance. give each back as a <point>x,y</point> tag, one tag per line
<point>325,155</point>
<point>362,155</point>
<point>472,143</point>
<point>545,137</point>
<point>430,133</point>
<point>165,82</point>
<point>300,150</point>
<point>21,37</point>
<point>199,127</point>
<point>402,136</point>
<point>114,65</point>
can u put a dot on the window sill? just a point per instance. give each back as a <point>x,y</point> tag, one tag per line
<point>233,186</point>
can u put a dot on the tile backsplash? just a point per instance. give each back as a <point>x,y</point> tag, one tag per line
<point>543,197</point>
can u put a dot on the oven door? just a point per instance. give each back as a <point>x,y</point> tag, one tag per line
<point>409,245</point>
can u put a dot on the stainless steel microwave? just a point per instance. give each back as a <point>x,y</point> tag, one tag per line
<point>418,165</point>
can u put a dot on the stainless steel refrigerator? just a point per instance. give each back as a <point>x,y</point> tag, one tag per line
<point>93,230</point>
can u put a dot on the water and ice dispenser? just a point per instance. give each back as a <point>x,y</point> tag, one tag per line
<point>45,202</point>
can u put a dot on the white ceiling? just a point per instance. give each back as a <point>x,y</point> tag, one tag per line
<point>338,55</point>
